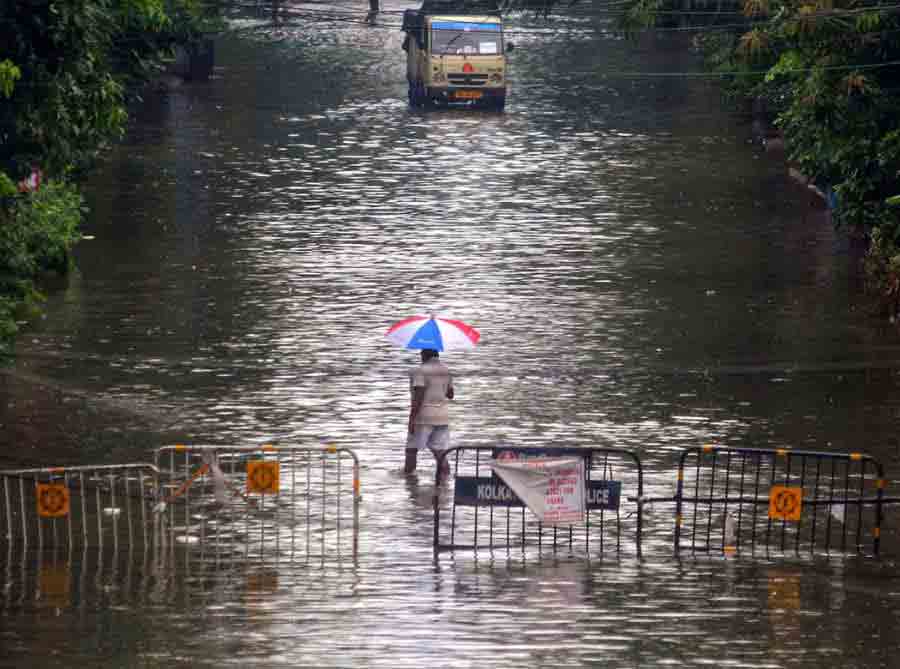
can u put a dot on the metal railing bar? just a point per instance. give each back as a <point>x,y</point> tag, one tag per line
<point>477,472</point>
<point>696,494</point>
<point>99,513</point>
<point>812,532</point>
<point>862,491</point>
<point>741,501</point>
<point>764,501</point>
<point>84,526</point>
<point>339,495</point>
<point>787,482</point>
<point>324,489</point>
<point>846,492</point>
<point>712,487</point>
<point>758,472</point>
<point>725,505</point>
<point>800,521</point>
<point>294,497</point>
<point>308,500</point>
<point>143,506</point>
<point>68,515</point>
<point>114,512</point>
<point>79,468</point>
<point>831,500</point>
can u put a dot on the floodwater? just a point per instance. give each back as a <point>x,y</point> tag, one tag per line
<point>643,276</point>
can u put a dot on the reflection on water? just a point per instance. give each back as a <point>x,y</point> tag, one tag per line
<point>138,608</point>
<point>642,278</point>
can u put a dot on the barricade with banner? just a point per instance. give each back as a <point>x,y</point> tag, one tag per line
<point>104,505</point>
<point>734,499</point>
<point>580,500</point>
<point>279,502</point>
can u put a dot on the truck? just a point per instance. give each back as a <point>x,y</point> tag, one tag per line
<point>454,57</point>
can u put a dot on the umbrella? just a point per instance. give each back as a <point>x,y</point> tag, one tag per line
<point>440,334</point>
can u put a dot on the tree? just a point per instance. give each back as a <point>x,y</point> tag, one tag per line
<point>830,70</point>
<point>67,69</point>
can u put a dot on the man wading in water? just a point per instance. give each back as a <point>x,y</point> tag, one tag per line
<point>431,389</point>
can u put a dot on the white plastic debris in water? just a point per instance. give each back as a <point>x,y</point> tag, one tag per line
<point>837,512</point>
<point>160,508</point>
<point>730,532</point>
<point>112,511</point>
<point>187,539</point>
<point>215,473</point>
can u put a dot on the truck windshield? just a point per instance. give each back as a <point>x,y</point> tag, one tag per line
<point>462,38</point>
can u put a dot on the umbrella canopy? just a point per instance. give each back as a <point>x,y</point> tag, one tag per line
<point>440,334</point>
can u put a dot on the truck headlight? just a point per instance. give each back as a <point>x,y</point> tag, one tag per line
<point>496,77</point>
<point>438,77</point>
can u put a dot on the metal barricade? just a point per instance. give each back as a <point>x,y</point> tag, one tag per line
<point>98,506</point>
<point>281,502</point>
<point>484,514</point>
<point>729,499</point>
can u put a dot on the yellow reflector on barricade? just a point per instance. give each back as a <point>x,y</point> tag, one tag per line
<point>785,502</point>
<point>263,477</point>
<point>52,500</point>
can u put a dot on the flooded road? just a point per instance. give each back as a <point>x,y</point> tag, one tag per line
<point>643,277</point>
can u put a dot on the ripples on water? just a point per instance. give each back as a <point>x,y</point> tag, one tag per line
<point>402,610</point>
<point>641,278</point>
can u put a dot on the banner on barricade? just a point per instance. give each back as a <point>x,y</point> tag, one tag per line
<point>492,491</point>
<point>553,488</point>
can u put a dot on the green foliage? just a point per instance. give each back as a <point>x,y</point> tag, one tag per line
<point>882,269</point>
<point>640,14</point>
<point>9,75</point>
<point>37,232</point>
<point>72,63</point>
<point>67,70</point>
<point>830,80</point>
<point>7,186</point>
<point>48,220</point>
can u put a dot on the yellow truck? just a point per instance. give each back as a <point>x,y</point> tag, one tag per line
<point>455,59</point>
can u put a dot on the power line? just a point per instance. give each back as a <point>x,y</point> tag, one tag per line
<point>798,70</point>
<point>339,16</point>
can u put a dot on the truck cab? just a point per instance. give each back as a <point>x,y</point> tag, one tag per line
<point>455,59</point>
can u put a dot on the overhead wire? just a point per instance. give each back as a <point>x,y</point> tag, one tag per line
<point>331,15</point>
<point>337,15</point>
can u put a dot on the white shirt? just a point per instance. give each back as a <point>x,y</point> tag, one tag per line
<point>434,377</point>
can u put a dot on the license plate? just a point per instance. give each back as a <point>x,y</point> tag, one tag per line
<point>467,95</point>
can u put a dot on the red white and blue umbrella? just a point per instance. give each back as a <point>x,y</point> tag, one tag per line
<point>440,334</point>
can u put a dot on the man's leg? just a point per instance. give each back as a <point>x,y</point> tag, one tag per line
<point>438,442</point>
<point>409,465</point>
<point>413,444</point>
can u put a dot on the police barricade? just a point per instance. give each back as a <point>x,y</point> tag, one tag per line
<point>485,514</point>
<point>280,502</point>
<point>732,499</point>
<point>97,506</point>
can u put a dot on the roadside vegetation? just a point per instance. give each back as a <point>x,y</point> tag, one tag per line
<point>829,73</point>
<point>68,70</point>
